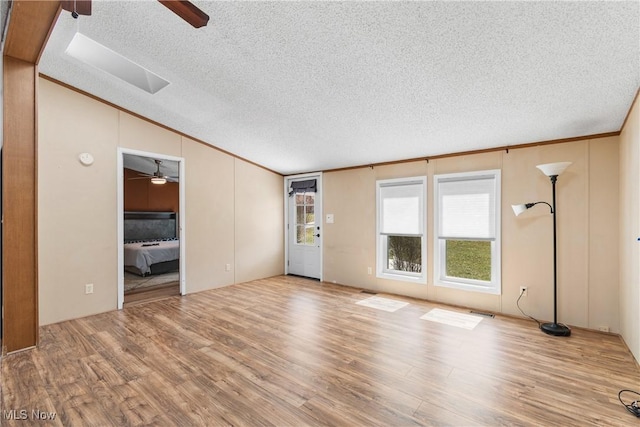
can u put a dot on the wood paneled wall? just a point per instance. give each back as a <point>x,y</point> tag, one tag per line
<point>142,195</point>
<point>29,28</point>
<point>19,192</point>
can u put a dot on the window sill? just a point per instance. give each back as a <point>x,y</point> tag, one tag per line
<point>420,280</point>
<point>470,287</point>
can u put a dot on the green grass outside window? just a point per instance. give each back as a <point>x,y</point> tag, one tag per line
<point>469,259</point>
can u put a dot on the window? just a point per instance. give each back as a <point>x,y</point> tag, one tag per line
<point>305,222</point>
<point>467,226</point>
<point>401,247</point>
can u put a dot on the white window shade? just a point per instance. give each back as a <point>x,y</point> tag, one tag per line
<point>401,209</point>
<point>401,246</point>
<point>467,208</point>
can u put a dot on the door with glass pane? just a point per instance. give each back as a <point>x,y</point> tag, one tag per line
<point>304,227</point>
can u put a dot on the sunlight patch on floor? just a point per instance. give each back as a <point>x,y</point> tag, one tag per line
<point>452,318</point>
<point>385,304</point>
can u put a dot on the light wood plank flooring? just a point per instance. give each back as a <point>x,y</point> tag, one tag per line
<point>142,295</point>
<point>287,351</point>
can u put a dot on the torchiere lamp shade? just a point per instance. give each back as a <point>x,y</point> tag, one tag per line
<point>518,209</point>
<point>551,169</point>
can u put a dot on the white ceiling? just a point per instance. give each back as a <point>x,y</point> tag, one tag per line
<point>306,86</point>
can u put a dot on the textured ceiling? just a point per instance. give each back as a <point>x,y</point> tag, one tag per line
<point>306,86</point>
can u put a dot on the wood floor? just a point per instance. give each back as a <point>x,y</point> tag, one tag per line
<point>143,295</point>
<point>291,352</point>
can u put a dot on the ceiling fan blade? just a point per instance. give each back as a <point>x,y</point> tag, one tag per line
<point>81,7</point>
<point>142,176</point>
<point>187,11</point>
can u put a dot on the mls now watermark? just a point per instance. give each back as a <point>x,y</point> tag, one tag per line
<point>23,415</point>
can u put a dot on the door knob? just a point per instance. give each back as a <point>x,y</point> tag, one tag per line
<point>318,235</point>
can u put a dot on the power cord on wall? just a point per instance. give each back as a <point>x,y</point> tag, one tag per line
<point>633,407</point>
<point>523,313</point>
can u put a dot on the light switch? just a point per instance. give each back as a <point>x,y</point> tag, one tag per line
<point>329,219</point>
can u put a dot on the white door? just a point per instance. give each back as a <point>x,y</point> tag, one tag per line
<point>304,227</point>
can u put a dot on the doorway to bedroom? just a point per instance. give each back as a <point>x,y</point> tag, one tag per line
<point>150,226</point>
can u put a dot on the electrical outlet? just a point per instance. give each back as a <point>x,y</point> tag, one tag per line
<point>524,291</point>
<point>369,270</point>
<point>88,288</point>
<point>603,329</point>
<point>227,267</point>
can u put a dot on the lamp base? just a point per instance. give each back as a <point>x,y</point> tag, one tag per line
<point>555,329</point>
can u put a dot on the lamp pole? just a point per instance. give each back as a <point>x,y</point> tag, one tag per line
<point>555,328</point>
<point>554,178</point>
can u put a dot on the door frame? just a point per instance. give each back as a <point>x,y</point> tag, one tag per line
<point>287,185</point>
<point>181,216</point>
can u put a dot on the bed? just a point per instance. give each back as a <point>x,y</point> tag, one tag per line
<point>151,257</point>
<point>151,244</point>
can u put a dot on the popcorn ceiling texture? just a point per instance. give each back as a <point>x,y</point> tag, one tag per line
<point>306,86</point>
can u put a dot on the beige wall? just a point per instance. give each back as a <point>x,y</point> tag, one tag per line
<point>77,213</point>
<point>587,202</point>
<point>76,205</point>
<point>209,172</point>
<point>630,231</point>
<point>259,249</point>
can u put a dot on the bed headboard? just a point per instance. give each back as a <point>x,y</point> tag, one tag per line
<point>149,226</point>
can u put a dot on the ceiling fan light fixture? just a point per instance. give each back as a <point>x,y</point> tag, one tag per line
<point>158,180</point>
<point>77,7</point>
<point>101,57</point>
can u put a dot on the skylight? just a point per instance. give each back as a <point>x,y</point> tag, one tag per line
<point>93,53</point>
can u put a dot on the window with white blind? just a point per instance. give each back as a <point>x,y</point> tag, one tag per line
<point>467,226</point>
<point>401,247</point>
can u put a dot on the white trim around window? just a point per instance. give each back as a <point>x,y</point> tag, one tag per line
<point>401,222</point>
<point>467,221</point>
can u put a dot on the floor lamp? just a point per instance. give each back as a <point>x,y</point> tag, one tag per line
<point>552,170</point>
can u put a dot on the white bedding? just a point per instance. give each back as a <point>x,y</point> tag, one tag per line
<point>142,257</point>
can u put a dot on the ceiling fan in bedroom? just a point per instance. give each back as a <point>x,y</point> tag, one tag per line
<point>184,9</point>
<point>157,177</point>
